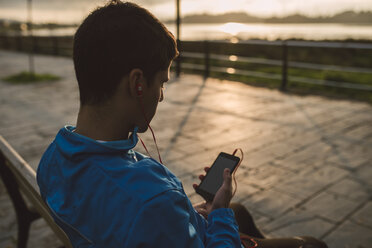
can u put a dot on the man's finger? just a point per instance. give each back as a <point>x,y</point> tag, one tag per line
<point>203,212</point>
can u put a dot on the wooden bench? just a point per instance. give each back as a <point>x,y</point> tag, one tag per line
<point>18,176</point>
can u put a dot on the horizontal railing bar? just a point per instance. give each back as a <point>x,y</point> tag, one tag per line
<point>245,72</point>
<point>328,67</point>
<point>234,58</point>
<point>192,55</point>
<point>279,63</point>
<point>329,44</point>
<point>324,44</point>
<point>250,42</point>
<point>331,83</point>
<point>236,71</point>
<point>193,66</point>
<point>227,58</point>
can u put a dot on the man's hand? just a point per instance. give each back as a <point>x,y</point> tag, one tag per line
<point>201,208</point>
<point>224,194</point>
<point>221,199</point>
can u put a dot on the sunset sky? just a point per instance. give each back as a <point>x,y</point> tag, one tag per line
<point>75,10</point>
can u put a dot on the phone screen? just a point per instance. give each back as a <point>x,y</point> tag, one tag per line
<point>214,178</point>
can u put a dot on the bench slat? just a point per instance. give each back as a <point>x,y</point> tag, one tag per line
<point>26,180</point>
<point>18,163</point>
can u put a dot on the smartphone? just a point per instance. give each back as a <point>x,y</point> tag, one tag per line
<point>214,178</point>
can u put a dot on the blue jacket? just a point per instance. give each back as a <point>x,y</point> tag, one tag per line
<point>103,194</point>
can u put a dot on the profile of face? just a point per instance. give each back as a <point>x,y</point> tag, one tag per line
<point>152,96</point>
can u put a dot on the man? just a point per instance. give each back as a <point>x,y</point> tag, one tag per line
<point>101,192</point>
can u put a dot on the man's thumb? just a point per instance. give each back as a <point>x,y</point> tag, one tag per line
<point>226,176</point>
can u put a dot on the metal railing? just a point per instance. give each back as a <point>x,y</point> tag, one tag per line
<point>207,55</point>
<point>55,45</point>
<point>205,52</point>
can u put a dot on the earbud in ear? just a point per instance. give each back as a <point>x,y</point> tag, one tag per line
<point>139,89</point>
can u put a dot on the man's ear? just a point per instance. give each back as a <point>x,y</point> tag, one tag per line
<point>136,82</point>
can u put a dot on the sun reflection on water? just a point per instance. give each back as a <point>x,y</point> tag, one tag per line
<point>233,28</point>
<point>233,58</point>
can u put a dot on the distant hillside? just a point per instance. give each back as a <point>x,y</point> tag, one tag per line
<point>351,16</point>
<point>344,17</point>
<point>228,17</point>
<point>6,25</point>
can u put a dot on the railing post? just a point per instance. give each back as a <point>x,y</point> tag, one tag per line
<point>283,86</point>
<point>178,60</point>
<point>35,45</point>
<point>4,42</point>
<point>19,43</point>
<point>55,45</point>
<point>206,59</point>
<point>33,50</point>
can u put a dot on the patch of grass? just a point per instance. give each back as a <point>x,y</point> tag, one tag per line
<point>27,77</point>
<point>332,92</point>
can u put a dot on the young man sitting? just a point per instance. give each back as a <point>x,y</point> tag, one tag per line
<point>101,192</point>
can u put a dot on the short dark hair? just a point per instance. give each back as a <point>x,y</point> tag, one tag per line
<point>113,40</point>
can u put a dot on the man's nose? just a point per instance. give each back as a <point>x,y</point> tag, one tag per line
<point>161,96</point>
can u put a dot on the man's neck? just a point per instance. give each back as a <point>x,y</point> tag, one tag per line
<point>100,124</point>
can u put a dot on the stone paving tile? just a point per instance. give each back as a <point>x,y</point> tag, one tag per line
<point>300,186</point>
<point>40,236</point>
<point>310,180</point>
<point>7,214</point>
<point>299,223</point>
<point>355,157</point>
<point>364,216</point>
<point>307,167</point>
<point>244,191</point>
<point>182,167</point>
<point>197,162</point>
<point>360,131</point>
<point>364,175</point>
<point>350,235</point>
<point>261,220</point>
<point>8,226</point>
<point>341,206</point>
<point>265,177</point>
<point>257,159</point>
<point>304,157</point>
<point>325,173</point>
<point>7,243</point>
<point>352,189</point>
<point>345,121</point>
<point>271,203</point>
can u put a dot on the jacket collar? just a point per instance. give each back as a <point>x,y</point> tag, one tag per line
<point>71,142</point>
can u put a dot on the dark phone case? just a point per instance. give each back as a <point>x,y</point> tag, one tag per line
<point>206,195</point>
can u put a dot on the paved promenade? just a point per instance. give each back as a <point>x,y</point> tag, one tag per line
<point>307,167</point>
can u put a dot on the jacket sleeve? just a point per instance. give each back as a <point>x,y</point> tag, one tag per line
<point>222,229</point>
<point>165,221</point>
